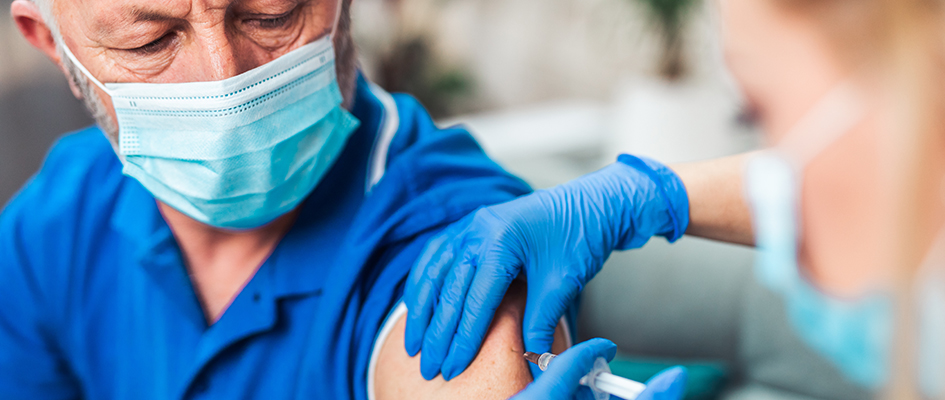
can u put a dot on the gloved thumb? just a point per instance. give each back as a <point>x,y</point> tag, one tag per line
<point>562,379</point>
<point>667,385</point>
<point>544,306</point>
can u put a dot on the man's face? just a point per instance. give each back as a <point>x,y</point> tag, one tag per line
<point>171,41</point>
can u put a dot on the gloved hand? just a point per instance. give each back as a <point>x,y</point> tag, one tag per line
<point>558,238</point>
<point>560,381</point>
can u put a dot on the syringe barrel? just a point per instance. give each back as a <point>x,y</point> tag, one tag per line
<point>544,360</point>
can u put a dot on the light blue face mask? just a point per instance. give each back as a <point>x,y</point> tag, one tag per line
<point>240,152</point>
<point>855,335</point>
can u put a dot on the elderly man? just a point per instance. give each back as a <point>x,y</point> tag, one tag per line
<point>255,228</point>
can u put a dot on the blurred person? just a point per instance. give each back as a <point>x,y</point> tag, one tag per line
<point>242,219</point>
<point>847,207</point>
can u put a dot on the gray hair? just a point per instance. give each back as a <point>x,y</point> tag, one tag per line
<point>89,98</point>
<point>46,10</point>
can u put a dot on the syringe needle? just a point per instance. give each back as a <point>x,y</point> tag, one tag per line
<point>533,357</point>
<point>600,380</point>
<point>541,360</point>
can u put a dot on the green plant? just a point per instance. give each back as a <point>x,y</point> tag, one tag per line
<point>413,66</point>
<point>669,17</point>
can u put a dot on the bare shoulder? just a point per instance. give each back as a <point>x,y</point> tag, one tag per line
<point>498,372</point>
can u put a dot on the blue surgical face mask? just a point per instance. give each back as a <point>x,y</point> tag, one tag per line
<point>856,334</point>
<point>240,152</point>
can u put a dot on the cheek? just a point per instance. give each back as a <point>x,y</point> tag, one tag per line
<point>754,53</point>
<point>845,219</point>
<point>106,102</point>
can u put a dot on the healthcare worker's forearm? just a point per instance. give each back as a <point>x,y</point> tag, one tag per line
<point>717,208</point>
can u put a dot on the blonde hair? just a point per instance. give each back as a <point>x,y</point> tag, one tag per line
<point>918,90</point>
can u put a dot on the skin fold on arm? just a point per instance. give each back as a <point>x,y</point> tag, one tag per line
<point>498,372</point>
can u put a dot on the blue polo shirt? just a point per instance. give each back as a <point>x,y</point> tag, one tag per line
<point>96,302</point>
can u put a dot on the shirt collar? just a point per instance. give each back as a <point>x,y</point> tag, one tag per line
<point>136,215</point>
<point>293,272</point>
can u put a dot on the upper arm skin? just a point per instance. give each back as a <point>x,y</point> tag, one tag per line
<point>498,372</point>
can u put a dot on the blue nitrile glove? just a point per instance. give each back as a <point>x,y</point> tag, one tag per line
<point>561,380</point>
<point>558,238</point>
<point>669,384</point>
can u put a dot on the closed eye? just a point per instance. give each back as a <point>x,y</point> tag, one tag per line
<point>155,46</point>
<point>273,22</point>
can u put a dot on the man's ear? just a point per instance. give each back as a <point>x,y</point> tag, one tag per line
<point>30,22</point>
<point>32,26</point>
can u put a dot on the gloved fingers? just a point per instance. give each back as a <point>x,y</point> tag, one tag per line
<point>439,335</point>
<point>670,384</point>
<point>486,292</point>
<point>548,299</point>
<point>561,380</point>
<point>424,284</point>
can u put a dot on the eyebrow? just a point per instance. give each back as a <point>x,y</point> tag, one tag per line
<point>141,15</point>
<point>130,15</point>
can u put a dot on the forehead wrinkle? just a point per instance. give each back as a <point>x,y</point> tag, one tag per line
<point>211,5</point>
<point>108,22</point>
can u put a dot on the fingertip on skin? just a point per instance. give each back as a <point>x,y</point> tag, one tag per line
<point>462,350</point>
<point>447,369</point>
<point>417,322</point>
<point>431,356</point>
<point>449,372</point>
<point>436,343</point>
<point>539,336</point>
<point>410,340</point>
<point>457,360</point>
<point>411,344</point>
<point>428,372</point>
<point>539,345</point>
<point>429,365</point>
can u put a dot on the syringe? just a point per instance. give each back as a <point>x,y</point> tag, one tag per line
<point>600,380</point>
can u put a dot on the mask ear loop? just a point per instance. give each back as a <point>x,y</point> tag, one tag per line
<point>832,116</point>
<point>829,119</point>
<point>75,61</point>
